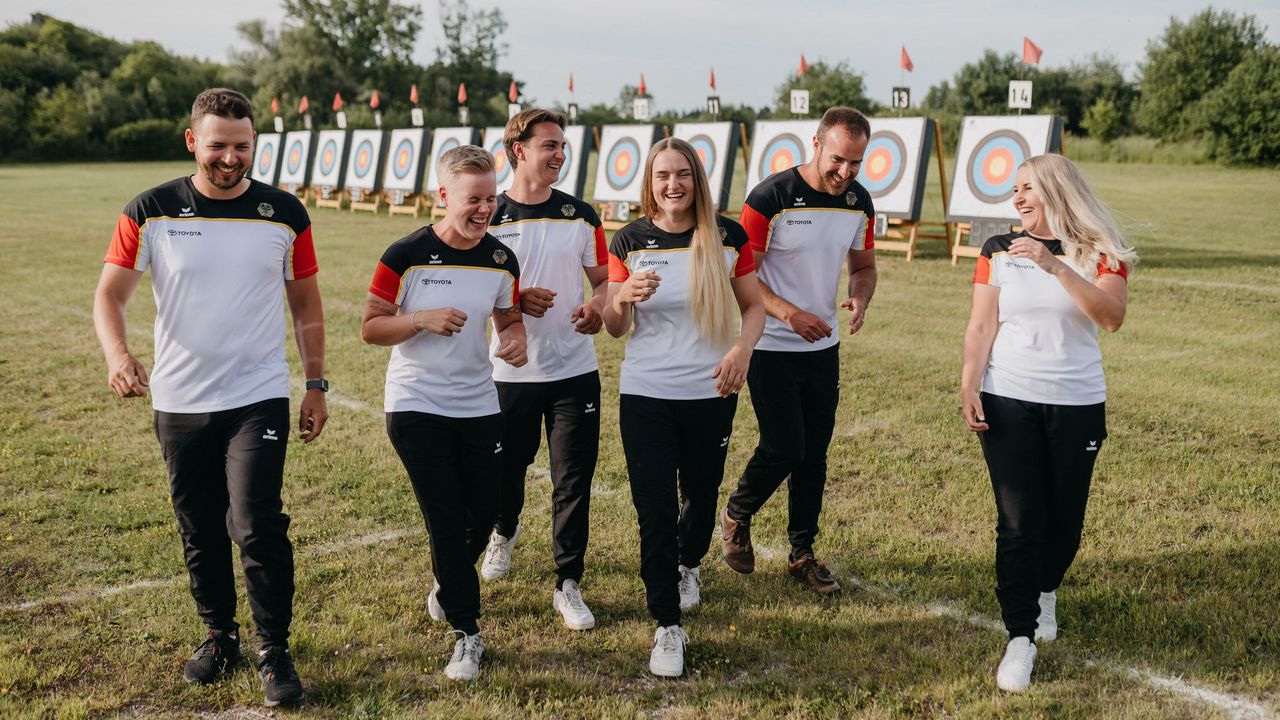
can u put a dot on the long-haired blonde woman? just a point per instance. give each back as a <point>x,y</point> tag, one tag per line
<point>674,276</point>
<point>1033,389</point>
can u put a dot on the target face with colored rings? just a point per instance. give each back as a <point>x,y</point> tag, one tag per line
<point>783,152</point>
<point>706,150</point>
<point>364,158</point>
<point>568,161</point>
<point>264,159</point>
<point>445,147</point>
<point>328,156</point>
<point>402,159</point>
<point>501,168</point>
<point>294,161</point>
<point>993,164</point>
<point>883,164</point>
<point>623,163</point>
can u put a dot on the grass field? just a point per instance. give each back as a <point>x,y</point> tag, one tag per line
<point>1176,581</point>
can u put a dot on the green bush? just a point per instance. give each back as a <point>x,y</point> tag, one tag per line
<point>1103,120</point>
<point>1240,114</point>
<point>147,140</point>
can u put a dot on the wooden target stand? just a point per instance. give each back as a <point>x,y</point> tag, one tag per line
<point>901,235</point>
<point>325,197</point>
<point>362,201</point>
<point>961,249</point>
<point>397,205</point>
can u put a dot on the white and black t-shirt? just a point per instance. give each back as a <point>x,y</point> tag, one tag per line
<point>217,272</point>
<point>1046,348</point>
<point>806,236</point>
<point>553,242</point>
<point>666,356</point>
<point>431,373</point>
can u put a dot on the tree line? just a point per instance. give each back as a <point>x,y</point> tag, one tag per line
<point>68,93</point>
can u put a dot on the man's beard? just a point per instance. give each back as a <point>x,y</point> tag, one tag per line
<point>213,174</point>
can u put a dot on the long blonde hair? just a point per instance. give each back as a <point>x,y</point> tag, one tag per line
<point>710,294</point>
<point>1077,218</point>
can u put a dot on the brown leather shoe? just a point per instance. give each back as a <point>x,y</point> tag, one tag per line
<point>738,554</point>
<point>814,574</point>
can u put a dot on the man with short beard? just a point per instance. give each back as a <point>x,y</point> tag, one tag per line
<point>223,251</point>
<point>803,223</point>
<point>557,238</point>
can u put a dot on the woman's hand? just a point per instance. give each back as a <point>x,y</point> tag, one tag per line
<point>971,410</point>
<point>731,373</point>
<point>441,321</point>
<point>639,287</point>
<point>1038,253</point>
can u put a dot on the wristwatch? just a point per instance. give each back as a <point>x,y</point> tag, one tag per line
<point>320,384</point>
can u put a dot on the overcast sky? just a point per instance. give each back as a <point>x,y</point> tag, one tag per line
<point>752,44</point>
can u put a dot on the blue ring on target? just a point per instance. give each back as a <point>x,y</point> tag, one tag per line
<point>264,158</point>
<point>568,160</point>
<point>623,163</point>
<point>293,159</point>
<point>328,156</point>
<point>883,164</point>
<point>501,166</point>
<point>786,147</point>
<point>707,148</point>
<point>994,163</point>
<point>404,149</point>
<point>364,151</point>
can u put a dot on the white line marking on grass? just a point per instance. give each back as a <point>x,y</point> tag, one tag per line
<point>1215,284</point>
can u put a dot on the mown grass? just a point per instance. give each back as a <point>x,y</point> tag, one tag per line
<point>1177,573</point>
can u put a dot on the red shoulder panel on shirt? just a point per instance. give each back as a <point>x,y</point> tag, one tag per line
<point>124,244</point>
<point>602,249</point>
<point>618,271</point>
<point>757,227</point>
<point>302,258</point>
<point>982,271</point>
<point>1122,271</point>
<point>386,284</point>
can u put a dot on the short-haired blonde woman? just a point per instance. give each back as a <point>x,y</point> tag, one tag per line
<point>1033,389</point>
<point>674,276</point>
<point>429,299</point>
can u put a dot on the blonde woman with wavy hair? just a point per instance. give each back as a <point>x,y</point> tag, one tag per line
<point>673,275</point>
<point>1033,390</point>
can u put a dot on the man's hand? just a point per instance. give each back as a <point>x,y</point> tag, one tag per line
<point>536,301</point>
<point>586,319</point>
<point>127,377</point>
<point>859,310</point>
<point>513,352</point>
<point>808,326</point>
<point>313,415</point>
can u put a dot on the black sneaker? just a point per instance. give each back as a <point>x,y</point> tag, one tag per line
<point>215,657</point>
<point>280,683</point>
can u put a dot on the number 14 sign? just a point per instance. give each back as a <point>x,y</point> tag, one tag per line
<point>1020,94</point>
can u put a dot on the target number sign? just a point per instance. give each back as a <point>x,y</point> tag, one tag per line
<point>1020,94</point>
<point>640,108</point>
<point>713,105</point>
<point>415,116</point>
<point>278,124</point>
<point>884,163</point>
<point>994,163</point>
<point>573,112</point>
<point>901,98</point>
<point>800,102</point>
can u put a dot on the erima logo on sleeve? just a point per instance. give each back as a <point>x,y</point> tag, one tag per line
<point>186,212</point>
<point>506,217</point>
<point>435,260</point>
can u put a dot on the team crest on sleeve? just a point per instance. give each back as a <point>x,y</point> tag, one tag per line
<point>723,233</point>
<point>568,210</point>
<point>500,256</point>
<point>851,198</point>
<point>265,210</point>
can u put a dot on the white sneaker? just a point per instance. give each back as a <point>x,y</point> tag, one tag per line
<point>465,663</point>
<point>1047,623</point>
<point>667,658</point>
<point>434,609</point>
<point>568,601</point>
<point>1014,674</point>
<point>497,555</point>
<point>690,587</point>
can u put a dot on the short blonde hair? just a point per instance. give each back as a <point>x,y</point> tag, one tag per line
<point>466,159</point>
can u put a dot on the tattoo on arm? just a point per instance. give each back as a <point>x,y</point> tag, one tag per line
<point>513,310</point>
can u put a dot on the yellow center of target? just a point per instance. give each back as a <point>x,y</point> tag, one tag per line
<point>878,164</point>
<point>999,165</point>
<point>623,164</point>
<point>781,161</point>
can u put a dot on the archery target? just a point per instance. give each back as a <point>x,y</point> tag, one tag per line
<point>623,149</point>
<point>502,169</point>
<point>266,159</point>
<point>573,173</point>
<point>779,145</point>
<point>295,167</point>
<point>405,160</point>
<point>364,165</point>
<point>895,165</point>
<point>446,139</point>
<point>991,149</point>
<point>330,161</point>
<point>716,145</point>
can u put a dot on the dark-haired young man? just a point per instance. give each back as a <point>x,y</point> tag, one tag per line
<point>223,251</point>
<point>803,224</point>
<point>556,238</point>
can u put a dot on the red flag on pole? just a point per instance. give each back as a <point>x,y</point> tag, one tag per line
<point>337,102</point>
<point>713,79</point>
<point>462,93</point>
<point>570,82</point>
<point>275,106</point>
<point>804,66</point>
<point>513,92</point>
<point>642,91</point>
<point>304,105</point>
<point>375,101</point>
<point>906,60</point>
<point>413,94</point>
<point>1030,52</point>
